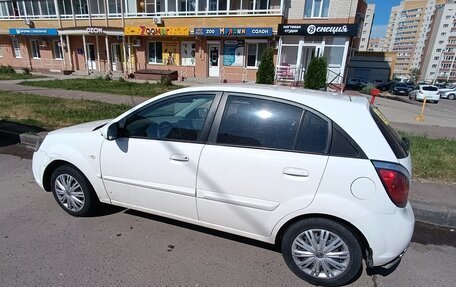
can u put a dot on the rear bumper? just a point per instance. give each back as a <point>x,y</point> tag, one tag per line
<point>394,261</point>
<point>428,98</point>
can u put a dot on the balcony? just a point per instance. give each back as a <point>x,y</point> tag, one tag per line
<point>84,9</point>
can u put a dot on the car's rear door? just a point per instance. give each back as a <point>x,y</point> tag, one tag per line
<point>264,159</point>
<point>152,165</point>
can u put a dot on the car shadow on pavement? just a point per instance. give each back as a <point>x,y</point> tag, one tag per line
<point>205,230</point>
<point>107,209</point>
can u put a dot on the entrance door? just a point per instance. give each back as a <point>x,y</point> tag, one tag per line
<point>214,60</point>
<point>91,63</point>
<point>305,55</point>
<point>116,59</point>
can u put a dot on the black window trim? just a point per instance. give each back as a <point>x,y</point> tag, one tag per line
<point>203,137</point>
<point>212,140</point>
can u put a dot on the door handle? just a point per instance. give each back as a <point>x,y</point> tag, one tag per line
<point>292,171</point>
<point>178,157</point>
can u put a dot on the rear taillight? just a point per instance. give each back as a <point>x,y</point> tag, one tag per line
<point>396,180</point>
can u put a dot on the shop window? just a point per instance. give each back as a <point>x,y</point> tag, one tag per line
<point>35,47</point>
<point>155,52</point>
<point>188,53</point>
<point>334,55</point>
<point>316,8</point>
<point>16,48</point>
<point>233,53</point>
<point>57,50</point>
<point>254,53</point>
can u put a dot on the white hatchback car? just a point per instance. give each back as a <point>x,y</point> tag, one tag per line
<point>322,175</point>
<point>431,93</point>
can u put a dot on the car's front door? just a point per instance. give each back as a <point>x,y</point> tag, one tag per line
<point>264,161</point>
<point>152,165</point>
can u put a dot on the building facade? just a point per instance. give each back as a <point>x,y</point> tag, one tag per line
<point>407,32</point>
<point>223,39</point>
<point>376,45</point>
<point>367,27</point>
<point>439,58</point>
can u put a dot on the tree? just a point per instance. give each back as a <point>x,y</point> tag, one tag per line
<point>414,75</point>
<point>315,77</point>
<point>266,70</point>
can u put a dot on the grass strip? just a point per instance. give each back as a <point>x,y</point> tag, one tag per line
<point>101,85</point>
<point>433,159</point>
<point>8,76</point>
<point>51,113</point>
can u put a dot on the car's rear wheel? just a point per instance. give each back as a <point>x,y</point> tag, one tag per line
<point>451,96</point>
<point>72,191</point>
<point>322,252</point>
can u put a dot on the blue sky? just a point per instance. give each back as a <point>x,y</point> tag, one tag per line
<point>382,12</point>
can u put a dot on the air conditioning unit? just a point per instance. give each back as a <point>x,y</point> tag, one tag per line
<point>158,20</point>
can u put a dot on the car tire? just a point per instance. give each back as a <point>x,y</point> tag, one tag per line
<point>72,191</point>
<point>302,252</point>
<point>451,97</point>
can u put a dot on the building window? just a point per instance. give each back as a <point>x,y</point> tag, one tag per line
<point>155,53</point>
<point>1,52</point>
<point>16,48</point>
<point>254,53</point>
<point>35,47</point>
<point>438,50</point>
<point>316,8</point>
<point>57,50</point>
<point>188,53</point>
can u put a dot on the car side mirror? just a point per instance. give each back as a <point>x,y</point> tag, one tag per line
<point>111,133</point>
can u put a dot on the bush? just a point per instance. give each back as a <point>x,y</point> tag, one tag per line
<point>367,89</point>
<point>315,77</point>
<point>26,71</point>
<point>266,70</point>
<point>108,77</point>
<point>166,81</point>
<point>7,70</point>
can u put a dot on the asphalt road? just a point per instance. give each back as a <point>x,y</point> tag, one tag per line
<point>41,245</point>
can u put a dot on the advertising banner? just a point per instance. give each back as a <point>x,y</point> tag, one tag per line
<point>348,30</point>
<point>234,32</point>
<point>33,31</point>
<point>156,31</point>
<point>170,53</point>
<point>233,53</point>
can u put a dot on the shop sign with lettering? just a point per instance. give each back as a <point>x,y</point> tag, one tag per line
<point>156,31</point>
<point>94,30</point>
<point>233,32</point>
<point>32,31</point>
<point>349,30</point>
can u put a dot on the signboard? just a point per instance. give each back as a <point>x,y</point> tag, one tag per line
<point>233,53</point>
<point>33,31</point>
<point>349,30</point>
<point>156,31</point>
<point>170,53</point>
<point>233,32</point>
<point>94,30</point>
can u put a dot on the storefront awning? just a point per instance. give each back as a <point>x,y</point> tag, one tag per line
<point>92,31</point>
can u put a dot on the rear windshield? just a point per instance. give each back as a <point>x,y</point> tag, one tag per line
<point>394,140</point>
<point>429,88</point>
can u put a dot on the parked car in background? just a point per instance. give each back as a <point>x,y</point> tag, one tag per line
<point>279,165</point>
<point>386,86</point>
<point>356,84</point>
<point>401,89</point>
<point>448,93</point>
<point>431,93</point>
<point>377,82</point>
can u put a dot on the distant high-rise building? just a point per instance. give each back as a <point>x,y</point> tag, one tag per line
<point>408,29</point>
<point>367,27</point>
<point>439,57</point>
<point>376,45</point>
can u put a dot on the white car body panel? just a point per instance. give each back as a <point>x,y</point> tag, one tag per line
<point>243,190</point>
<point>255,205</point>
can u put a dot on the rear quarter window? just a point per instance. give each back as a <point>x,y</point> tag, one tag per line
<point>394,140</point>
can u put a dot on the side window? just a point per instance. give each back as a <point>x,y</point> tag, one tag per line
<point>258,123</point>
<point>313,134</point>
<point>179,119</point>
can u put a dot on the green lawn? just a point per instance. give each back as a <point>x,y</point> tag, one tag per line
<point>52,113</point>
<point>9,76</point>
<point>120,87</point>
<point>433,159</point>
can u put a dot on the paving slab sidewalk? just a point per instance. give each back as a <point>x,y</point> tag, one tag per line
<point>433,203</point>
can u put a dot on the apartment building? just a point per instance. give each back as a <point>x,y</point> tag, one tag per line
<point>223,39</point>
<point>376,45</point>
<point>367,27</point>
<point>407,32</point>
<point>439,58</point>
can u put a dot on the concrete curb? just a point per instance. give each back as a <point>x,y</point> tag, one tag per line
<point>424,211</point>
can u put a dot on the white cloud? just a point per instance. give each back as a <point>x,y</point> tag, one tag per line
<point>378,31</point>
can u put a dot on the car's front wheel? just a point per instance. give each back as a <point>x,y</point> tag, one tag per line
<point>451,97</point>
<point>322,252</point>
<point>72,191</point>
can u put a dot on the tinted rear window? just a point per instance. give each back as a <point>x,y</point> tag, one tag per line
<point>401,85</point>
<point>392,137</point>
<point>429,88</point>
